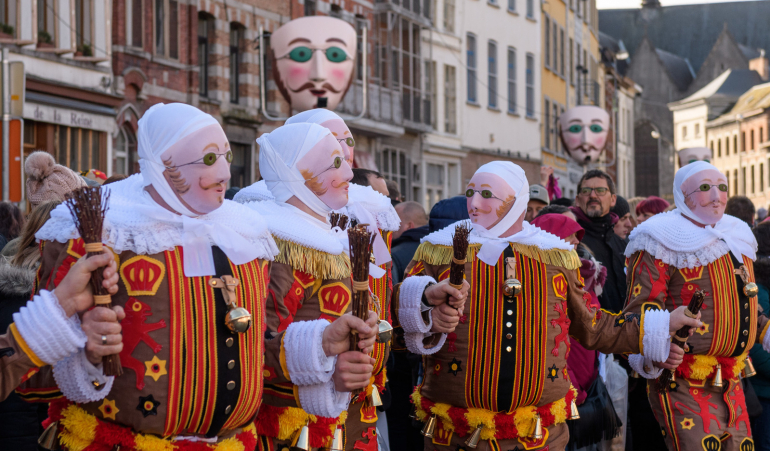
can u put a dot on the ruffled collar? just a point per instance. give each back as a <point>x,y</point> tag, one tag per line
<point>256,192</point>
<point>676,241</point>
<point>375,204</point>
<point>134,222</point>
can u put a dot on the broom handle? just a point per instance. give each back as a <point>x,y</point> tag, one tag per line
<point>111,363</point>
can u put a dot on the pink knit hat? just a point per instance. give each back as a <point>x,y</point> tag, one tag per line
<point>47,180</point>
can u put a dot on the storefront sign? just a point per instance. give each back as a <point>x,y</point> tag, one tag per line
<point>68,117</point>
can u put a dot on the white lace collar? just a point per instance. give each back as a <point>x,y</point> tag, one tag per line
<point>128,228</point>
<point>529,235</point>
<point>256,192</point>
<point>676,241</point>
<point>288,223</point>
<point>373,202</point>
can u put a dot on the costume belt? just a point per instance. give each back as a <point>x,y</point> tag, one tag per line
<point>703,367</point>
<point>283,423</point>
<point>495,425</point>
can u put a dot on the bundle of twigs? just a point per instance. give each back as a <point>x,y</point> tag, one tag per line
<point>459,254</point>
<point>88,206</point>
<point>338,220</point>
<point>361,241</point>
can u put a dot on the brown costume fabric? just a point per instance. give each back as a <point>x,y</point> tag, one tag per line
<point>509,353</point>
<point>15,363</point>
<point>729,330</point>
<point>179,359</point>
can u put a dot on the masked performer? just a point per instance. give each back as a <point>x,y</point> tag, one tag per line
<point>194,270</point>
<point>670,257</point>
<point>499,379</point>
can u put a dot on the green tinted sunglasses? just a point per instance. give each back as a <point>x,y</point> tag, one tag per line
<point>303,54</point>
<point>349,141</point>
<point>209,159</point>
<point>577,128</point>
<point>485,193</point>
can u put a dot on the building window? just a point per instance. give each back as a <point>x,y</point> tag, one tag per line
<point>547,122</point>
<point>735,181</point>
<point>450,99</point>
<point>752,179</point>
<point>697,130</point>
<point>743,141</point>
<point>430,91</point>
<point>571,62</point>
<point>547,51</point>
<point>531,9</point>
<point>719,147</point>
<point>727,147</point>
<point>134,23</point>
<point>434,183</point>
<point>512,6</point>
<point>761,135</point>
<point>167,28</point>
<point>761,177</point>
<point>684,134</point>
<point>561,51</point>
<point>511,80</point>
<point>83,22</point>
<point>205,32</point>
<point>449,16</point>
<point>492,74</point>
<point>530,85</point>
<point>735,144</point>
<point>394,165</point>
<point>45,23</point>
<point>126,158</point>
<point>471,64</point>
<point>554,128</point>
<point>310,7</point>
<point>8,11</point>
<point>80,149</point>
<point>236,37</point>
<point>751,133</point>
<point>239,168</point>
<point>743,180</point>
<point>555,66</point>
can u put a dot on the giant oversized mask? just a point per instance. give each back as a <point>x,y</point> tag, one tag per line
<point>185,156</point>
<point>313,61</point>
<point>583,131</point>
<point>701,192</point>
<point>693,154</point>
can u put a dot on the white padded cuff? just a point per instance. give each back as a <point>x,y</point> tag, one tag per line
<point>415,344</point>
<point>766,342</point>
<point>656,338</point>
<point>323,400</point>
<point>75,376</point>
<point>638,362</point>
<point>48,332</point>
<point>305,358</point>
<point>410,303</point>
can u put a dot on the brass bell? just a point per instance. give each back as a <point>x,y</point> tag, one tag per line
<point>238,320</point>
<point>635,375</point>
<point>385,331</point>
<point>538,434</point>
<point>337,443</point>
<point>512,287</point>
<point>749,370</point>
<point>430,426</point>
<point>750,289</point>
<point>573,411</point>
<point>473,440</point>
<point>49,439</point>
<point>717,382</point>
<point>375,397</point>
<point>302,439</point>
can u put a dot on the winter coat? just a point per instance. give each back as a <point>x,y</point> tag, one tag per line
<point>403,249</point>
<point>19,420</point>
<point>759,357</point>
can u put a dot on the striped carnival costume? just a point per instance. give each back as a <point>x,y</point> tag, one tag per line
<point>500,378</point>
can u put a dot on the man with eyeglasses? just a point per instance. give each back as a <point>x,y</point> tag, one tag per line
<point>671,256</point>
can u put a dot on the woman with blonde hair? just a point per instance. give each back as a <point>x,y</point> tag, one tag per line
<point>632,203</point>
<point>28,254</point>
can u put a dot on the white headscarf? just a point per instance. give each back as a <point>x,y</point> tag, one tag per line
<point>314,116</point>
<point>492,244</point>
<point>739,245</point>
<point>279,152</point>
<point>161,127</point>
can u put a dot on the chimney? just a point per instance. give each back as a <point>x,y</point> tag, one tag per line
<point>760,64</point>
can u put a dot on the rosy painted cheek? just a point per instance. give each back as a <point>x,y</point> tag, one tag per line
<point>573,141</point>
<point>338,74</point>
<point>297,71</point>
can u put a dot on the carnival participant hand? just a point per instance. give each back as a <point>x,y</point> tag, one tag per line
<point>102,329</point>
<point>442,293</point>
<point>74,291</point>
<point>445,319</point>
<point>352,371</point>
<point>336,337</point>
<point>679,319</point>
<point>545,174</point>
<point>675,358</point>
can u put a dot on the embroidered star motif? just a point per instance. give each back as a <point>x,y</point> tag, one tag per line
<point>637,290</point>
<point>437,368</point>
<point>619,321</point>
<point>155,368</point>
<point>673,386</point>
<point>268,373</point>
<point>553,373</point>
<point>687,423</point>
<point>108,409</point>
<point>148,405</point>
<point>455,366</point>
<point>703,329</point>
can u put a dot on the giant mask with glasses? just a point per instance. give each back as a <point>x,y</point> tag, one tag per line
<point>693,154</point>
<point>702,193</point>
<point>313,61</point>
<point>583,130</point>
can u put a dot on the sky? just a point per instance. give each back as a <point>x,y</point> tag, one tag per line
<point>625,4</point>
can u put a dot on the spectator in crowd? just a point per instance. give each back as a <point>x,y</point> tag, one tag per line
<point>538,199</point>
<point>563,201</point>
<point>650,207</point>
<point>760,358</point>
<point>231,192</point>
<point>367,177</point>
<point>393,192</point>
<point>761,214</point>
<point>47,180</point>
<point>27,252</point>
<point>742,208</point>
<point>557,209</point>
<point>596,197</point>
<point>114,178</point>
<point>447,211</point>
<point>414,226</point>
<point>632,203</point>
<point>623,226</point>
<point>11,222</point>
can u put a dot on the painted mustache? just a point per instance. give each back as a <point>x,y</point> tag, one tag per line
<point>211,186</point>
<point>342,184</point>
<point>311,85</point>
<point>479,211</point>
<point>713,203</point>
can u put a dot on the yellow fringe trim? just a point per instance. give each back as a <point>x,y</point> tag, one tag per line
<point>293,418</point>
<point>314,262</point>
<point>484,419</point>
<point>703,365</point>
<point>437,254</point>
